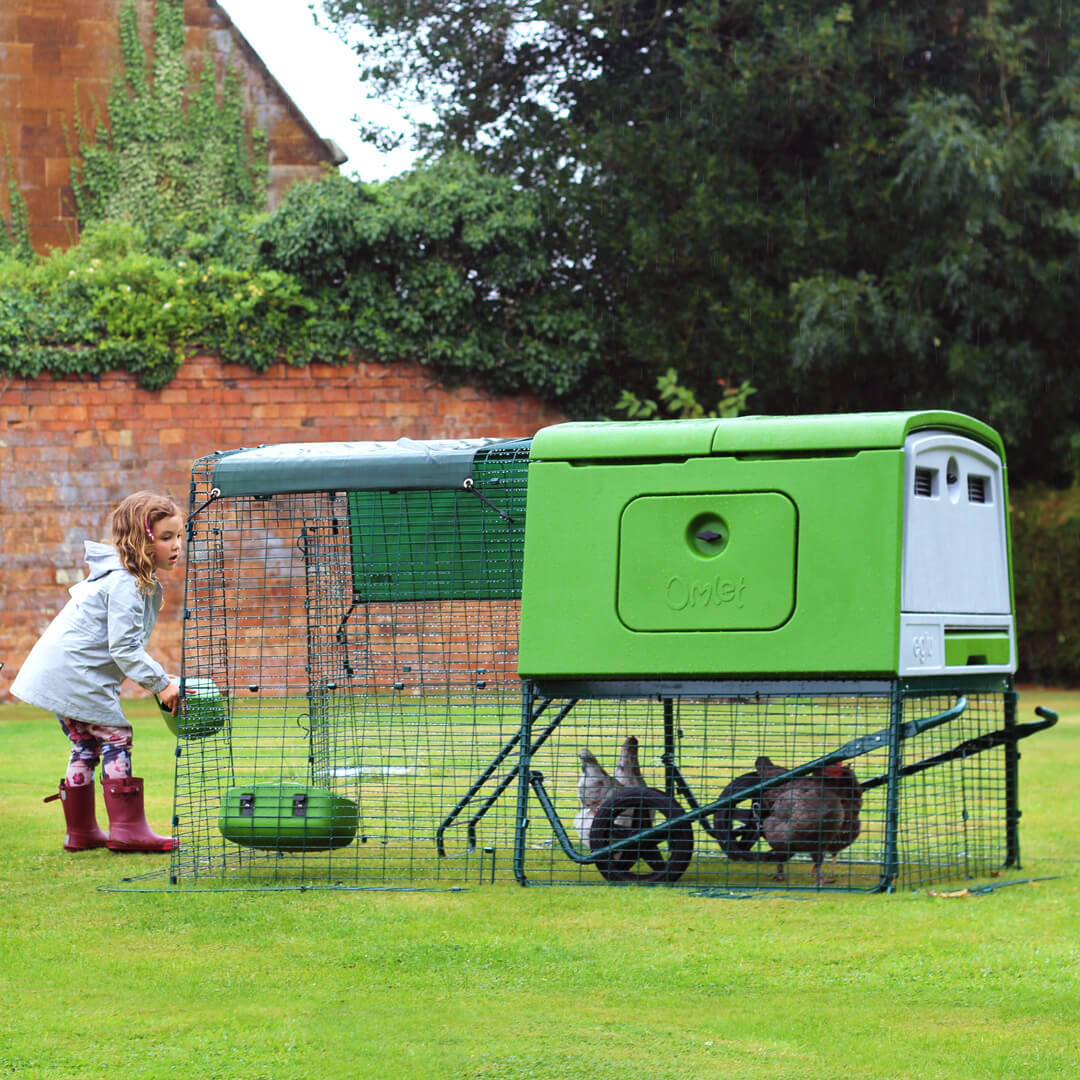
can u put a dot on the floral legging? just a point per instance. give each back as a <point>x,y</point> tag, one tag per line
<point>92,743</point>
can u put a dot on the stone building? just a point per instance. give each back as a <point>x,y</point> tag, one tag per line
<point>47,47</point>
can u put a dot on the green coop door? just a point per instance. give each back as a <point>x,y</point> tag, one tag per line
<point>707,562</point>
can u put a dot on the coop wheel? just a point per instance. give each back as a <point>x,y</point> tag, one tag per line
<point>737,827</point>
<point>632,810</point>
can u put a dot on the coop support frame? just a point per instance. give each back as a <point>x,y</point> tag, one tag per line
<point>897,732</point>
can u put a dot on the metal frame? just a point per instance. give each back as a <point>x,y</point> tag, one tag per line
<point>325,655</point>
<point>540,696</point>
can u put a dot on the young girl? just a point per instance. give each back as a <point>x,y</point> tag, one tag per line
<point>77,666</point>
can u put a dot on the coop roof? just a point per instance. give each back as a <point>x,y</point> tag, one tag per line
<point>352,466</point>
<point>840,432</point>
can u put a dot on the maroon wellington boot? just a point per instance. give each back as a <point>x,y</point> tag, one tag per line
<point>128,830</point>
<point>83,832</point>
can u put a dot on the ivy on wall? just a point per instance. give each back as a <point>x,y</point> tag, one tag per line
<point>171,148</point>
<point>444,266</point>
<point>15,232</point>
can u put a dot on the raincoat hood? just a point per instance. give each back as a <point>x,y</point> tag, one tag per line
<point>102,559</point>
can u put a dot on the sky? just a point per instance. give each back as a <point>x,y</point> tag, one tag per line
<point>319,72</point>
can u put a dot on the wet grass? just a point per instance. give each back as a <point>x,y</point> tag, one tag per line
<point>505,982</point>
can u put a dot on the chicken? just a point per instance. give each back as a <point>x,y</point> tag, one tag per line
<point>817,814</point>
<point>628,774</point>
<point>841,780</point>
<point>594,786</point>
<point>766,770</point>
<point>627,770</point>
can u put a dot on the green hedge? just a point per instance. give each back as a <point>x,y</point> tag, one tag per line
<point>1046,575</point>
<point>445,267</point>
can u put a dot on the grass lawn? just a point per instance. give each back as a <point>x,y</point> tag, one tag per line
<point>506,982</point>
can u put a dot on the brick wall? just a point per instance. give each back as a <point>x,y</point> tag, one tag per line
<point>71,448</point>
<point>50,47</point>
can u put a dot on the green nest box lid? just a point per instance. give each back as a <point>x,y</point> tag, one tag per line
<point>765,435</point>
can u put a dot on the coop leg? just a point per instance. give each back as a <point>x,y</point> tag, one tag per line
<point>524,773</point>
<point>1012,786</point>
<point>890,863</point>
<point>669,748</point>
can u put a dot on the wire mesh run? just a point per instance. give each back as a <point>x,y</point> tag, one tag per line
<point>364,647</point>
<point>900,807</point>
<point>956,791</point>
<point>352,717</point>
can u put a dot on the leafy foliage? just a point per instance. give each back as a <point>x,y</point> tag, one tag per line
<point>162,157</point>
<point>854,205</point>
<point>1046,552</point>
<point>109,303</point>
<point>15,232</point>
<point>445,267</point>
<point>680,402</point>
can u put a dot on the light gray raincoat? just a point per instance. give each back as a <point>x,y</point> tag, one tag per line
<point>98,640</point>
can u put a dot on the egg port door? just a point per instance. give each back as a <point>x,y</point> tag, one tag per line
<point>956,598</point>
<point>707,562</point>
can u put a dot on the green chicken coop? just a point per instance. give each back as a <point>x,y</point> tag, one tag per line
<point>748,653</point>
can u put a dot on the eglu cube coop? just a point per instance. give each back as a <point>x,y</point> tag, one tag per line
<point>734,653</point>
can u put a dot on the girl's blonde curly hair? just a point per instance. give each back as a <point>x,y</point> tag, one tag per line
<point>132,523</point>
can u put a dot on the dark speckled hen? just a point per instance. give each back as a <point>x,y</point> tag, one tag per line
<point>817,814</point>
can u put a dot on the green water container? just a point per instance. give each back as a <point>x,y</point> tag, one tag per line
<point>287,817</point>
<point>201,710</point>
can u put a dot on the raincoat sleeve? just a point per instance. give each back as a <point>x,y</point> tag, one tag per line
<point>130,624</point>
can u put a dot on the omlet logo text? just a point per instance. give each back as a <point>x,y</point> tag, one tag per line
<point>680,593</point>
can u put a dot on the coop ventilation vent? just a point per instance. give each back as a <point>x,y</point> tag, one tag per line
<point>924,482</point>
<point>977,489</point>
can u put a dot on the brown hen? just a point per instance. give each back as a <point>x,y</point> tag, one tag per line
<point>817,814</point>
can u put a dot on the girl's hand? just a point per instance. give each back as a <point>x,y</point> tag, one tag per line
<point>170,697</point>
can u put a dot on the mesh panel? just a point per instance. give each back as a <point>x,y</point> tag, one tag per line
<point>953,811</point>
<point>364,648</point>
<point>393,705</point>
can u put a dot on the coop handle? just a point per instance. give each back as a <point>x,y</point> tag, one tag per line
<point>917,727</point>
<point>471,486</point>
<point>1050,718</point>
<point>865,744</point>
<point>215,493</point>
<point>973,746</point>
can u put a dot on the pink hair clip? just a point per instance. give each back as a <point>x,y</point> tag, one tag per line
<point>150,535</point>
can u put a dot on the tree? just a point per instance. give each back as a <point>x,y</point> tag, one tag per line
<point>853,205</point>
<point>445,266</point>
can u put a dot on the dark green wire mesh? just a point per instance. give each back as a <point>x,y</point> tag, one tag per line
<point>365,648</point>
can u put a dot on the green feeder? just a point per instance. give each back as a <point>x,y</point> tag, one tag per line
<point>201,710</point>
<point>287,817</point>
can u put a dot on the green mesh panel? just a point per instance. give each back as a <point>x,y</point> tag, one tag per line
<point>444,544</point>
